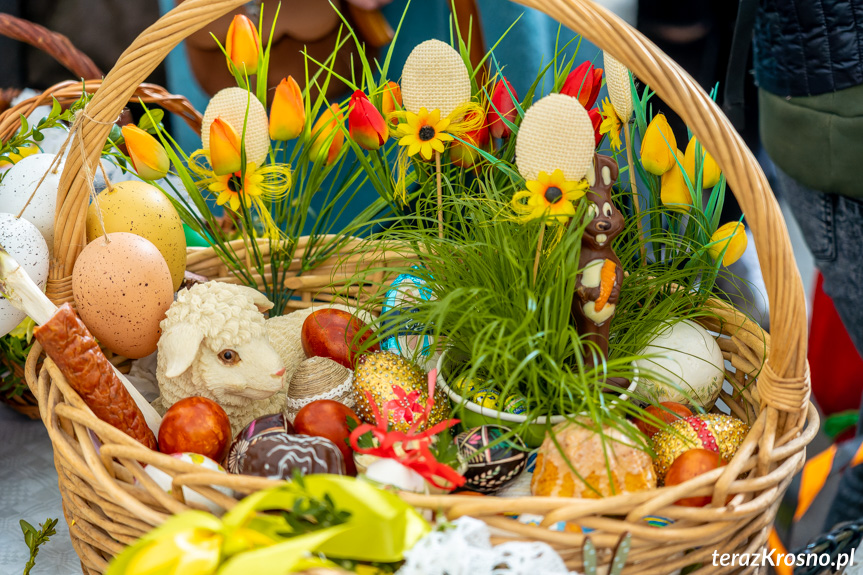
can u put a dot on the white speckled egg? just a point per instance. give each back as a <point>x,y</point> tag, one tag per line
<point>164,480</point>
<point>20,181</point>
<point>686,356</point>
<point>140,208</point>
<point>23,241</point>
<point>122,290</point>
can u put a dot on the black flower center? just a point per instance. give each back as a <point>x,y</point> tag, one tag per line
<point>235,184</point>
<point>553,194</point>
<point>426,133</point>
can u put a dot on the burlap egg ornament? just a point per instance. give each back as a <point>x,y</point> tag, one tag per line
<point>231,105</point>
<point>619,87</point>
<point>379,373</point>
<point>434,77</point>
<point>714,432</point>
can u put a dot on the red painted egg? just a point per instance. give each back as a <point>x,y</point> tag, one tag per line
<point>196,425</point>
<point>333,333</point>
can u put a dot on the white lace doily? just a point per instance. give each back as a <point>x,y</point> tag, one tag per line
<point>465,549</point>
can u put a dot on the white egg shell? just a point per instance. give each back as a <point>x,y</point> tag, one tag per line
<point>18,184</point>
<point>686,356</point>
<point>164,480</point>
<point>391,472</point>
<point>23,241</point>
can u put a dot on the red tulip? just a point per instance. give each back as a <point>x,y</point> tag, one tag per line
<point>596,120</point>
<point>463,155</point>
<point>366,126</point>
<point>502,104</point>
<point>583,83</point>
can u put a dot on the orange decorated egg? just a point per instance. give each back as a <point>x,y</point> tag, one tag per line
<point>672,412</point>
<point>691,464</point>
<point>196,425</point>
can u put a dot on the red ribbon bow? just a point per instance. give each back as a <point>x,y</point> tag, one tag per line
<point>417,455</point>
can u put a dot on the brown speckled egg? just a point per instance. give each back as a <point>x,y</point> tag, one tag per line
<point>122,290</point>
<point>140,208</point>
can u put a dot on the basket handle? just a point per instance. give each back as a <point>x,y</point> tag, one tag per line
<point>784,382</point>
<point>134,65</point>
<point>55,45</point>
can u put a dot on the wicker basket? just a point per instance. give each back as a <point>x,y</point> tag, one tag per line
<point>109,501</point>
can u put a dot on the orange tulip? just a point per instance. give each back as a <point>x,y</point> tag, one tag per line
<point>148,156</point>
<point>242,44</point>
<point>225,155</point>
<point>392,100</point>
<point>365,124</point>
<point>327,126</point>
<point>288,114</point>
<point>463,155</point>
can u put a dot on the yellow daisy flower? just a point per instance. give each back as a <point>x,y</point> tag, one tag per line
<point>235,191</point>
<point>611,124</point>
<point>549,196</point>
<point>424,133</point>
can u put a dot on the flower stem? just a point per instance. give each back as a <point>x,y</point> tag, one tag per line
<point>635,201</point>
<point>439,195</point>
<point>538,252</point>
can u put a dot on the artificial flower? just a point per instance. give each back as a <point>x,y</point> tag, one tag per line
<point>584,84</point>
<point>148,156</point>
<point>366,125</point>
<point>20,153</point>
<point>242,44</point>
<point>255,190</point>
<point>188,552</point>
<point>391,101</point>
<point>424,133</point>
<point>327,130</point>
<point>549,196</point>
<point>709,169</point>
<point>225,146</point>
<point>502,107</point>
<point>658,146</point>
<point>673,190</point>
<point>733,235</point>
<point>462,154</point>
<point>611,124</point>
<point>596,120</point>
<point>287,114</point>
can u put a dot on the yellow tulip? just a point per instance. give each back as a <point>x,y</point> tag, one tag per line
<point>148,156</point>
<point>658,146</point>
<point>288,114</point>
<point>709,172</point>
<point>192,552</point>
<point>23,152</point>
<point>674,192</point>
<point>225,155</point>
<point>733,235</point>
<point>327,126</point>
<point>242,44</point>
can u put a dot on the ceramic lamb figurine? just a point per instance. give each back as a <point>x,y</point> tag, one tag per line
<point>214,344</point>
<point>598,286</point>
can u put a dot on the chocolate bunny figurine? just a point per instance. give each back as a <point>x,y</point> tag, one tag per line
<point>597,289</point>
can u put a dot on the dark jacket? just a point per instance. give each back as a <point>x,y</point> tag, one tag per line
<point>808,47</point>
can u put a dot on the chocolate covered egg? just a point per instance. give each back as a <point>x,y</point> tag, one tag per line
<point>22,240</point>
<point>122,289</point>
<point>20,182</point>
<point>490,467</point>
<point>279,455</point>
<point>273,424</point>
<point>140,208</point>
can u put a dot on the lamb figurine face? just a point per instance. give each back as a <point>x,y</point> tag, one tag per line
<point>214,344</point>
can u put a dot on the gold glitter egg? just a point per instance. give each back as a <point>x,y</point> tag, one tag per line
<point>722,434</point>
<point>378,373</point>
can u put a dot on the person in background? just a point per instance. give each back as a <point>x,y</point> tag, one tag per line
<point>808,57</point>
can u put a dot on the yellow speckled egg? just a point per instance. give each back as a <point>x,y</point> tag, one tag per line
<point>122,289</point>
<point>712,431</point>
<point>140,208</point>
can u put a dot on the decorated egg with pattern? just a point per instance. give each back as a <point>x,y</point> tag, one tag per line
<point>400,386</point>
<point>720,433</point>
<point>274,423</point>
<point>397,307</point>
<point>492,462</point>
<point>280,455</point>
